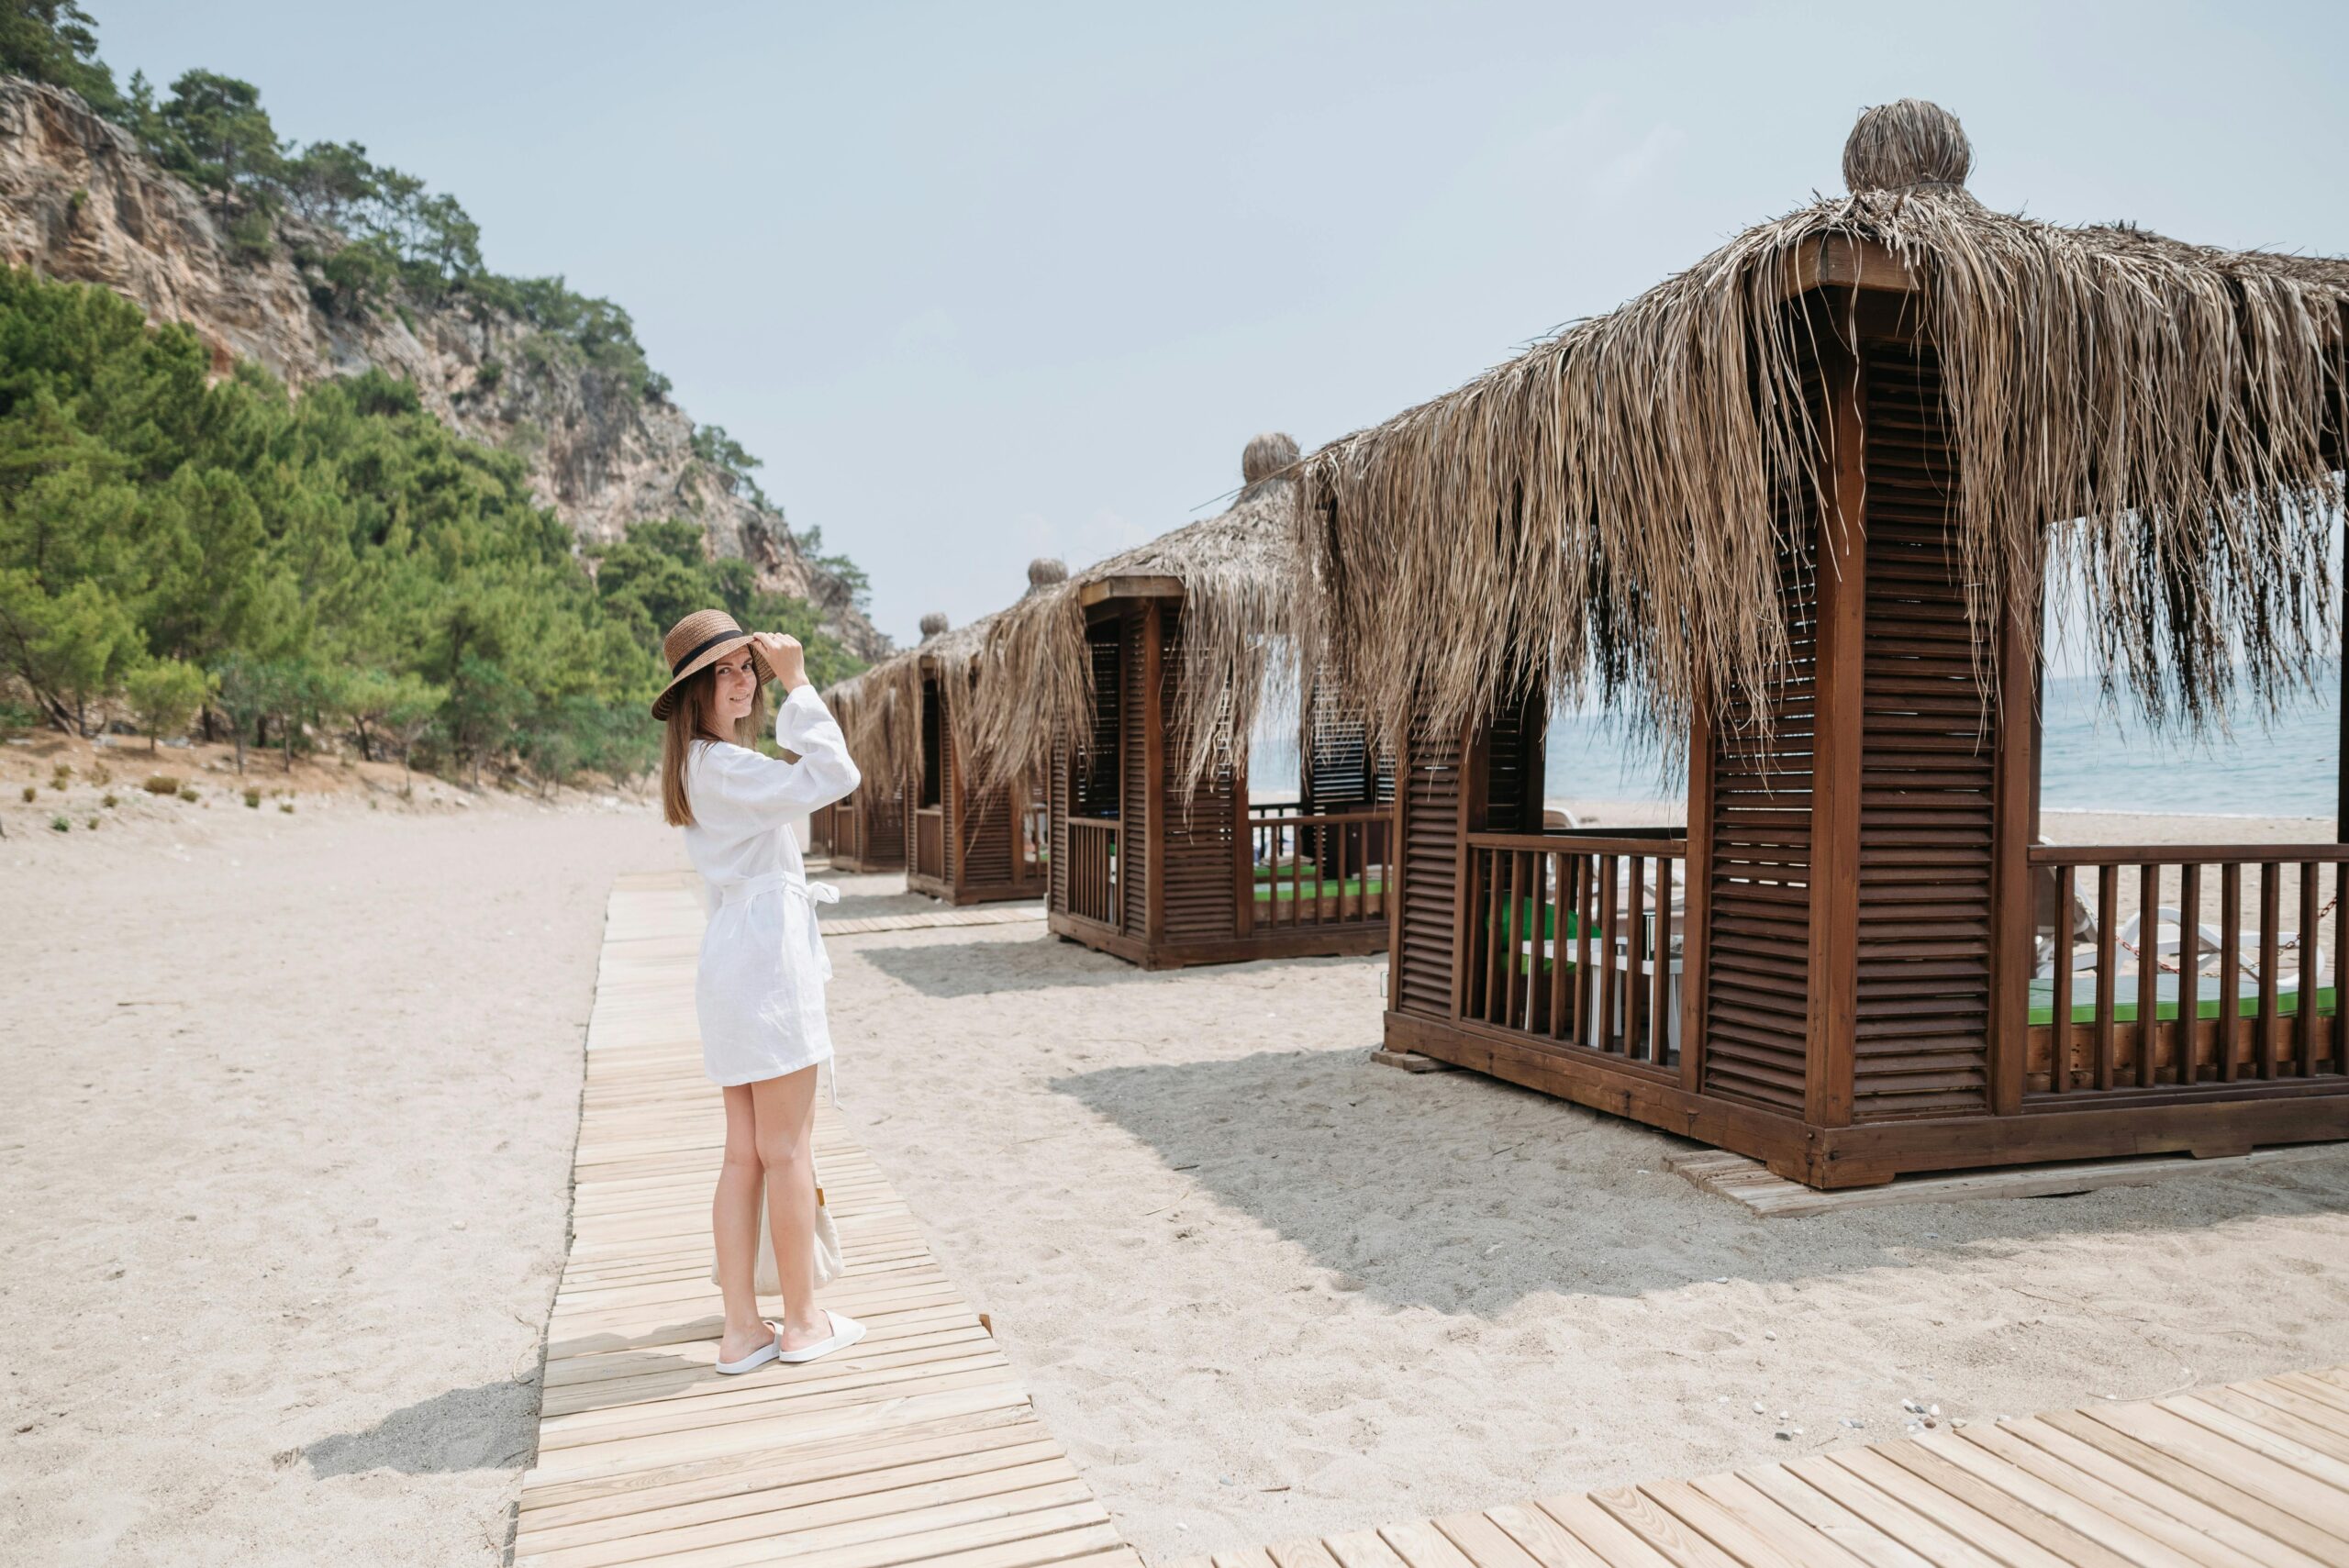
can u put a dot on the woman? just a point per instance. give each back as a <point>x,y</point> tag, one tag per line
<point>760,991</point>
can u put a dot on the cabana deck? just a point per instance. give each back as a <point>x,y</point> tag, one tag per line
<point>2246,1475</point>
<point>918,1445</point>
<point>1858,959</point>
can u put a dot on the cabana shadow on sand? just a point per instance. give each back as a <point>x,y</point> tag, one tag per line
<point>1796,504</point>
<point>1150,668</point>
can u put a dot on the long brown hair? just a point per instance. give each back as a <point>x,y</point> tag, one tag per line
<point>686,726</point>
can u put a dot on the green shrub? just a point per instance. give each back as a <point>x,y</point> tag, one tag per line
<point>188,794</point>
<point>161,783</point>
<point>287,806</point>
<point>65,772</point>
<point>29,792</point>
<point>92,824</point>
<point>59,825</point>
<point>111,800</point>
<point>252,798</point>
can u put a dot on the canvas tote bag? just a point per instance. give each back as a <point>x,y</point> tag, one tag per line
<point>829,1266</point>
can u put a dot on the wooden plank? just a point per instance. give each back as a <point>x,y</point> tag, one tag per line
<point>1752,1536</point>
<point>1811,1514</point>
<point>1749,1182</point>
<point>2022,1459</point>
<point>2218,1491</point>
<point>1544,1540</point>
<point>1482,1541</point>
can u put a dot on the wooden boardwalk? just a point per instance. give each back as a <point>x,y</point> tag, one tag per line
<point>917,1446</point>
<point>2251,1476</point>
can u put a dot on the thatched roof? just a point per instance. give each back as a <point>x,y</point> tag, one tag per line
<point>1237,571</point>
<point>880,707</point>
<point>1598,511</point>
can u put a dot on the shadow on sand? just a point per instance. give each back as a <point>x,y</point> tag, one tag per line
<point>1023,959</point>
<point>1465,1194</point>
<point>491,1426</point>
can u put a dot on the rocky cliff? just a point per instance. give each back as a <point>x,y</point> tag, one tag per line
<point>80,200</point>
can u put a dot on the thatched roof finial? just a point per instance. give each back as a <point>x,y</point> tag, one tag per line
<point>1898,146</point>
<point>1045,571</point>
<point>1268,456</point>
<point>933,625</point>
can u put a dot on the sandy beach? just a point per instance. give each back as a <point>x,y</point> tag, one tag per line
<point>287,1149</point>
<point>1263,1288</point>
<point>288,1156</point>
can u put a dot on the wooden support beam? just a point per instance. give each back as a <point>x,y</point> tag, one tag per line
<point>1154,731</point>
<point>2013,826</point>
<point>1841,573</point>
<point>1697,931</point>
<point>1109,588</point>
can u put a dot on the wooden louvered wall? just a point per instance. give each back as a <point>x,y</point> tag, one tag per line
<point>1428,806</point>
<point>1134,814</point>
<point>1431,801</point>
<point>1928,751</point>
<point>1758,898</point>
<point>1060,794</point>
<point>1197,863</point>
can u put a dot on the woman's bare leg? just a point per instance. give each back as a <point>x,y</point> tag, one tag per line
<point>784,1108</point>
<point>734,1228</point>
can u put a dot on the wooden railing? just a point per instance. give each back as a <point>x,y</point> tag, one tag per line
<point>929,842</point>
<point>1317,868</point>
<point>1093,869</point>
<point>2232,976</point>
<point>1575,938</point>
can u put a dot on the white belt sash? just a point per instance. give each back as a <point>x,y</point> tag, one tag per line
<point>812,894</point>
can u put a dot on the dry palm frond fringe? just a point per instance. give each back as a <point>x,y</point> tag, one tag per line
<point>1596,514</point>
<point>1238,572</point>
<point>880,708</point>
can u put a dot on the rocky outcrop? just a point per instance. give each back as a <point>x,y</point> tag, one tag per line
<point>80,200</point>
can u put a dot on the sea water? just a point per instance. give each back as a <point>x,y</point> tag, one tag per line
<point>2091,758</point>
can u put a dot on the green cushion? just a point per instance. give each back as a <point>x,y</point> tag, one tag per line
<point>2208,1001</point>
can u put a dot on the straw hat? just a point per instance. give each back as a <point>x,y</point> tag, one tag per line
<point>697,642</point>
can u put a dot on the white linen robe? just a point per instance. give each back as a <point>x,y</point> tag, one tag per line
<point>760,991</point>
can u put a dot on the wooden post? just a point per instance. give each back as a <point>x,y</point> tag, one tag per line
<point>1475,775</point>
<point>1395,892</point>
<point>2341,756</point>
<point>1696,931</point>
<point>1840,563</point>
<point>1154,731</point>
<point>2013,828</point>
<point>1243,917</point>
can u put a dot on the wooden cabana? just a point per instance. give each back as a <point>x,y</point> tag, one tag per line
<point>1795,506</point>
<point>966,839</point>
<point>1143,675</point>
<point>866,832</point>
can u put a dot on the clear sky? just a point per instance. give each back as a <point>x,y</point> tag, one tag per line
<point>981,282</point>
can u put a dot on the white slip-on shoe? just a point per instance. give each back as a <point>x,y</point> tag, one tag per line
<point>756,1359</point>
<point>846,1331</point>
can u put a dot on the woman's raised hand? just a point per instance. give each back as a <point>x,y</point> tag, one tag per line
<point>784,657</point>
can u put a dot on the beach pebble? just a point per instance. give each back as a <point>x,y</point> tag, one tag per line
<point>1769,1333</point>
<point>1933,1410</point>
<point>1757,1408</point>
<point>1720,1279</point>
<point>457,1225</point>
